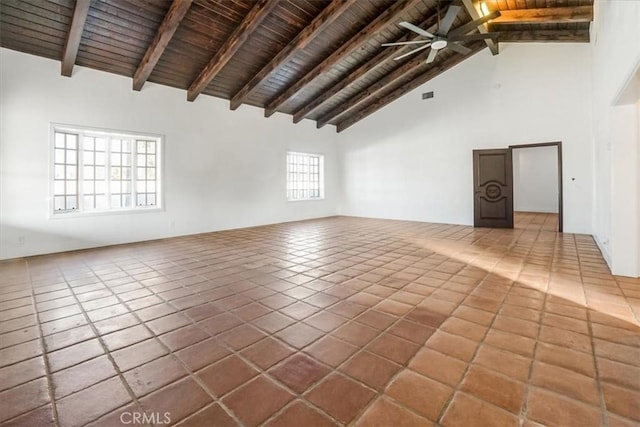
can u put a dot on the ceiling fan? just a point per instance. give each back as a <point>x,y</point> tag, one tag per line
<point>443,37</point>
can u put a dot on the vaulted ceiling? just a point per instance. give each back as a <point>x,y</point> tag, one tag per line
<point>320,60</point>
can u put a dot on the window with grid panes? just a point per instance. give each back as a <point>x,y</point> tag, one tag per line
<point>95,171</point>
<point>305,176</point>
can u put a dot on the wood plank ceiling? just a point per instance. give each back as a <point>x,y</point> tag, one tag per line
<point>320,60</point>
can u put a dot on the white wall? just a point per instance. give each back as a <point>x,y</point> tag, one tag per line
<point>616,57</point>
<point>535,179</point>
<point>625,177</point>
<point>223,169</point>
<point>413,158</point>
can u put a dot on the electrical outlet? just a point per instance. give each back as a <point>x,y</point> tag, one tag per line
<point>173,224</point>
<point>21,240</point>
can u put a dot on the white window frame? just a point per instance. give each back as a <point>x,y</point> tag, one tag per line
<point>321,186</point>
<point>109,133</point>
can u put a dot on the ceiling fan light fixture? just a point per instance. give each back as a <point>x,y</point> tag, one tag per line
<point>438,44</point>
<point>440,39</point>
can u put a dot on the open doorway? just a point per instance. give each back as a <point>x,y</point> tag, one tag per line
<point>493,188</point>
<point>537,186</point>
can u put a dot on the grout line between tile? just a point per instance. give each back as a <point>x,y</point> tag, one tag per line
<point>523,417</point>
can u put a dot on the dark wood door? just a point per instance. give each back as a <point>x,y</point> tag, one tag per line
<point>493,188</point>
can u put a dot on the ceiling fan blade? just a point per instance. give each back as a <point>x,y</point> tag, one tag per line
<point>472,37</point>
<point>411,52</point>
<point>405,43</point>
<point>418,30</point>
<point>448,19</point>
<point>464,29</point>
<point>459,48</point>
<point>432,56</point>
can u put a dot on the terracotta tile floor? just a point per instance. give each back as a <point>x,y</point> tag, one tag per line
<point>338,321</point>
<point>535,221</point>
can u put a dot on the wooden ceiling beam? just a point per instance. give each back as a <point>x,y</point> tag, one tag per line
<point>70,52</point>
<point>579,36</point>
<point>249,24</point>
<point>548,15</point>
<point>475,14</point>
<point>372,64</point>
<point>384,19</point>
<point>407,87</point>
<point>328,15</point>
<point>168,27</point>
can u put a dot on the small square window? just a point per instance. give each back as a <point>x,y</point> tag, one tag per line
<point>305,176</point>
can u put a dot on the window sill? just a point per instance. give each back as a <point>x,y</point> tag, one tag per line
<point>306,200</point>
<point>69,215</point>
